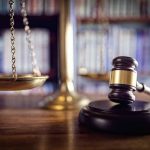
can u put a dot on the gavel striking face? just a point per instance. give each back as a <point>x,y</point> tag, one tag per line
<point>123,80</point>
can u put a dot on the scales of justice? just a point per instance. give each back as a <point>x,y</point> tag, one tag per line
<point>65,97</point>
<point>16,81</point>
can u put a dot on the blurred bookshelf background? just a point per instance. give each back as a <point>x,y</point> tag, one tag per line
<point>105,29</point>
<point>110,28</point>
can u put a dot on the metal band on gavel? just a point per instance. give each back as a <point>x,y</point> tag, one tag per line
<point>123,80</point>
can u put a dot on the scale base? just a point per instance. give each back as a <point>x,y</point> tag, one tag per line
<point>64,99</point>
<point>111,117</point>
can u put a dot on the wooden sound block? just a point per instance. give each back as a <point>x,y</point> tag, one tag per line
<point>111,117</point>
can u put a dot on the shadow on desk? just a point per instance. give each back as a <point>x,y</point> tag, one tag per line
<point>37,129</point>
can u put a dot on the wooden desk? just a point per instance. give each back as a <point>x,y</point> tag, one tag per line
<point>29,128</point>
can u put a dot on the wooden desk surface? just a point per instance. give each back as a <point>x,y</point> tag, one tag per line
<point>29,128</point>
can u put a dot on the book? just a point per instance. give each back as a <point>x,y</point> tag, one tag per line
<point>40,39</point>
<point>34,7</point>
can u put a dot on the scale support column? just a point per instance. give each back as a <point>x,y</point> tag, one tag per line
<point>66,96</point>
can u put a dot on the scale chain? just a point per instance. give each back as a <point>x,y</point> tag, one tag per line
<point>12,32</point>
<point>27,29</point>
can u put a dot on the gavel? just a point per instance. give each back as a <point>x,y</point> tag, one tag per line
<point>123,80</point>
<point>129,116</point>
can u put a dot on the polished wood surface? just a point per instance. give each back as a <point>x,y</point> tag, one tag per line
<point>25,126</point>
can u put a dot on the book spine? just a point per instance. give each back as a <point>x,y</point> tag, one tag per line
<point>144,7</point>
<point>1,53</point>
<point>139,50</point>
<point>18,50</point>
<point>146,52</point>
<point>7,53</point>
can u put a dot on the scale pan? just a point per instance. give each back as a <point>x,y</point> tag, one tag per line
<point>96,76</point>
<point>23,82</point>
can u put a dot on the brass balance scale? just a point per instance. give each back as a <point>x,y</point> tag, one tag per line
<point>14,81</point>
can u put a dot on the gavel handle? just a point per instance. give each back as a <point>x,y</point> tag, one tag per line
<point>141,87</point>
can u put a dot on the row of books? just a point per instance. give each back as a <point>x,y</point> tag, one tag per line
<point>112,8</point>
<point>97,45</point>
<point>40,39</point>
<point>34,7</point>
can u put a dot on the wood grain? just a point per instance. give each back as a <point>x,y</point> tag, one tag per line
<point>37,129</point>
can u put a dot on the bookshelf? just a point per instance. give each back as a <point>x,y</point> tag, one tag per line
<point>44,22</point>
<point>114,20</point>
<point>109,28</point>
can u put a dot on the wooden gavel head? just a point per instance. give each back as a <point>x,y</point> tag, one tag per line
<point>123,79</point>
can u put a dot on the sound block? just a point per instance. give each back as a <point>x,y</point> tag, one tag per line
<point>111,117</point>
